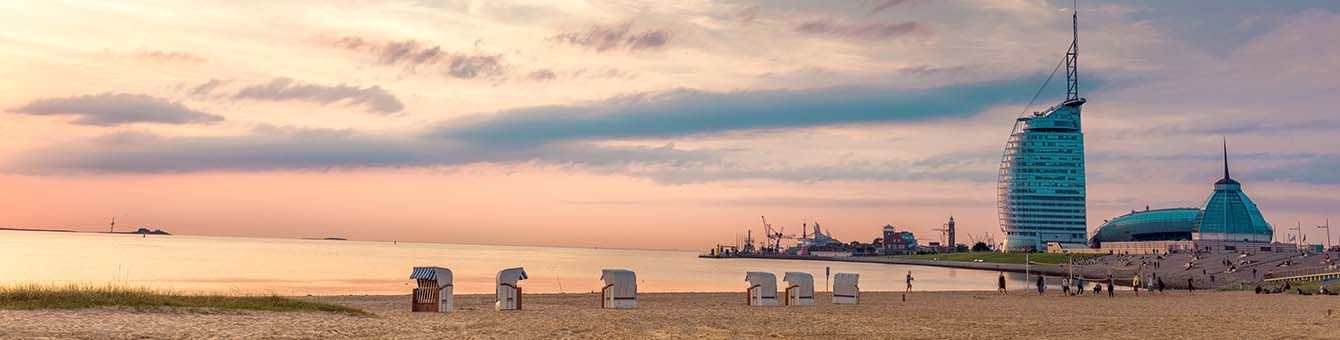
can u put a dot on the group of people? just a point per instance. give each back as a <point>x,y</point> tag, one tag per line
<point>1151,283</point>
<point>1284,289</point>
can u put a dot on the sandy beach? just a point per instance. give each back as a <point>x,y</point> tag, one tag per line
<point>931,315</point>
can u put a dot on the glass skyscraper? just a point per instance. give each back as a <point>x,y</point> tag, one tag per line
<point>1040,188</point>
<point>1041,185</point>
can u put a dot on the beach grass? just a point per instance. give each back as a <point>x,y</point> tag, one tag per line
<point>28,297</point>
<point>995,257</point>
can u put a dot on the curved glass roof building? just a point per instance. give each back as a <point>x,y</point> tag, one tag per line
<point>1174,224</point>
<point>1040,188</point>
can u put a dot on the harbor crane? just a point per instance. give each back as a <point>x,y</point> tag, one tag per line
<point>774,236</point>
<point>986,238</point>
<point>944,234</point>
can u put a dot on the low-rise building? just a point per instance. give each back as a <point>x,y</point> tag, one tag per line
<point>899,242</point>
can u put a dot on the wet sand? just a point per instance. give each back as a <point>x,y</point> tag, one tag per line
<point>1229,315</point>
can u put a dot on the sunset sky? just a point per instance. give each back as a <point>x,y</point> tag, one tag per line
<point>658,124</point>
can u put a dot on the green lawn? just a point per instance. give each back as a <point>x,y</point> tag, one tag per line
<point>1306,286</point>
<point>75,297</point>
<point>993,257</point>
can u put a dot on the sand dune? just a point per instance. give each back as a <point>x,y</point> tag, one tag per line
<point>1229,315</point>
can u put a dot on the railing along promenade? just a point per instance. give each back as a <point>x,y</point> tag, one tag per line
<point>1304,274</point>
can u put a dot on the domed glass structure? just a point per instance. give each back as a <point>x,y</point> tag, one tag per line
<point>1229,215</point>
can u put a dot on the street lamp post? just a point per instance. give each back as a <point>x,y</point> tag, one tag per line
<point>1298,235</point>
<point>1328,233</point>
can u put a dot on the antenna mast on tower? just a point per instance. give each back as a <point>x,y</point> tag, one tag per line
<point>1226,158</point>
<point>1072,59</point>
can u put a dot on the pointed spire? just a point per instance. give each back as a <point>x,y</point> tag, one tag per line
<point>1226,159</point>
<point>1227,179</point>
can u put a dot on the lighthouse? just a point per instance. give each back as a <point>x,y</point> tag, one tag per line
<point>952,245</point>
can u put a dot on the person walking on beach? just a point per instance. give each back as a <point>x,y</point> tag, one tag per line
<point>1135,284</point>
<point>1000,283</point>
<point>909,281</point>
<point>1160,285</point>
<point>1190,286</point>
<point>1111,287</point>
<point>1079,285</point>
<point>1065,286</point>
<point>1042,286</point>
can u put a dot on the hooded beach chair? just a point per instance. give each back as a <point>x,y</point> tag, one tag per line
<point>799,289</point>
<point>762,289</point>
<point>845,288</point>
<point>434,290</point>
<point>509,294</point>
<point>620,289</point>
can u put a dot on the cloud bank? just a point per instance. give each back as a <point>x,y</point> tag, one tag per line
<point>280,148</point>
<point>880,30</point>
<point>373,98</point>
<point>557,135</point>
<point>603,38</point>
<point>414,56</point>
<point>881,5</point>
<point>112,109</point>
<point>687,112</point>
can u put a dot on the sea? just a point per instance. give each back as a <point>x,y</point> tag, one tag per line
<point>296,267</point>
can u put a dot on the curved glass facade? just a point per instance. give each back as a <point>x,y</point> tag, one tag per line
<point>1175,224</point>
<point>1040,189</point>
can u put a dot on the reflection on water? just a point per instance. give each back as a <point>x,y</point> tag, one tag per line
<point>301,267</point>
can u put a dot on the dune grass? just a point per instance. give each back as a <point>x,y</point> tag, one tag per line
<point>994,257</point>
<point>29,297</point>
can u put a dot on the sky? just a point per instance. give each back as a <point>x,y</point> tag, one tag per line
<point>632,124</point>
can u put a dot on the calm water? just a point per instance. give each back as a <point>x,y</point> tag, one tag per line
<point>301,267</point>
